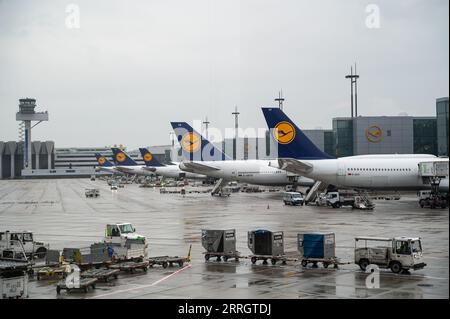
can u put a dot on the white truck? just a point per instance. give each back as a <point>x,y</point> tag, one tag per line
<point>427,198</point>
<point>398,253</point>
<point>14,244</point>
<point>126,244</point>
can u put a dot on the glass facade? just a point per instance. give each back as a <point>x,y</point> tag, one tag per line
<point>329,143</point>
<point>425,136</point>
<point>343,137</point>
<point>442,126</point>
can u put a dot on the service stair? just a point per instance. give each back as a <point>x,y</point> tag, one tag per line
<point>318,187</point>
<point>217,188</point>
<point>367,200</point>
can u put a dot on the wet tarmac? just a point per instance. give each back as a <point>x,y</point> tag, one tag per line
<point>58,213</point>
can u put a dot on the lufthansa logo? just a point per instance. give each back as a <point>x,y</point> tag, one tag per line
<point>148,157</point>
<point>120,157</point>
<point>101,160</point>
<point>374,134</point>
<point>284,133</point>
<point>190,142</point>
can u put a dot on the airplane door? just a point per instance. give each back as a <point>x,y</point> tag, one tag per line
<point>341,171</point>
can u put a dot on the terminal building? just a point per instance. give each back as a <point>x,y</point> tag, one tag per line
<point>348,136</point>
<point>442,126</point>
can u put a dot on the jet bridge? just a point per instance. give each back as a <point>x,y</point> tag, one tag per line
<point>433,172</point>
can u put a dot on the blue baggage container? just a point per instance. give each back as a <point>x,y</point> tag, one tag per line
<point>317,245</point>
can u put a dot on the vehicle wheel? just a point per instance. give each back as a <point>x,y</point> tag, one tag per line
<point>225,258</point>
<point>86,289</point>
<point>396,267</point>
<point>207,257</point>
<point>304,263</point>
<point>219,258</point>
<point>58,290</point>
<point>363,263</point>
<point>253,260</point>
<point>165,264</point>
<point>325,265</point>
<point>421,203</point>
<point>273,261</point>
<point>41,252</point>
<point>180,263</point>
<point>145,269</point>
<point>171,265</point>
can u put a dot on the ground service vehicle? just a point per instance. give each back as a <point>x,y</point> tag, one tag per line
<point>125,242</point>
<point>293,198</point>
<point>432,200</point>
<point>14,244</point>
<point>398,253</point>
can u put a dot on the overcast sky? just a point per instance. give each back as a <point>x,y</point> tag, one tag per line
<point>133,66</point>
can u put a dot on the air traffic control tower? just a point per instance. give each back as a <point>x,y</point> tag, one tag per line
<point>27,114</point>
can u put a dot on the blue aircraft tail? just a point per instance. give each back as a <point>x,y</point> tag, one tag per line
<point>149,159</point>
<point>292,142</point>
<point>194,146</point>
<point>122,158</point>
<point>102,161</point>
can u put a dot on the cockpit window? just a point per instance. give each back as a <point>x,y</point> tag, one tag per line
<point>127,228</point>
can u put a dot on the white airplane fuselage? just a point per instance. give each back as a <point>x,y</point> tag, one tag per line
<point>173,171</point>
<point>257,172</point>
<point>169,171</point>
<point>389,172</point>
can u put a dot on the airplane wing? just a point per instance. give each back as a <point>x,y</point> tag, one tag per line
<point>197,167</point>
<point>295,166</point>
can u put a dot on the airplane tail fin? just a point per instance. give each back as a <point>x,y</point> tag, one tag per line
<point>291,141</point>
<point>149,159</point>
<point>122,158</point>
<point>102,161</point>
<point>194,146</point>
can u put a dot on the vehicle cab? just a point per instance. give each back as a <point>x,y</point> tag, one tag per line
<point>408,252</point>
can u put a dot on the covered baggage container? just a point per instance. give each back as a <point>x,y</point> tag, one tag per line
<point>219,241</point>
<point>265,242</point>
<point>317,245</point>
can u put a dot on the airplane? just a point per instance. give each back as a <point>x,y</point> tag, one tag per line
<point>202,157</point>
<point>125,164</point>
<point>170,171</point>
<point>298,154</point>
<point>105,165</point>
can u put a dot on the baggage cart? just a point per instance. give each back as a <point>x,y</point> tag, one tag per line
<point>103,274</point>
<point>85,284</point>
<point>131,266</point>
<point>167,261</point>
